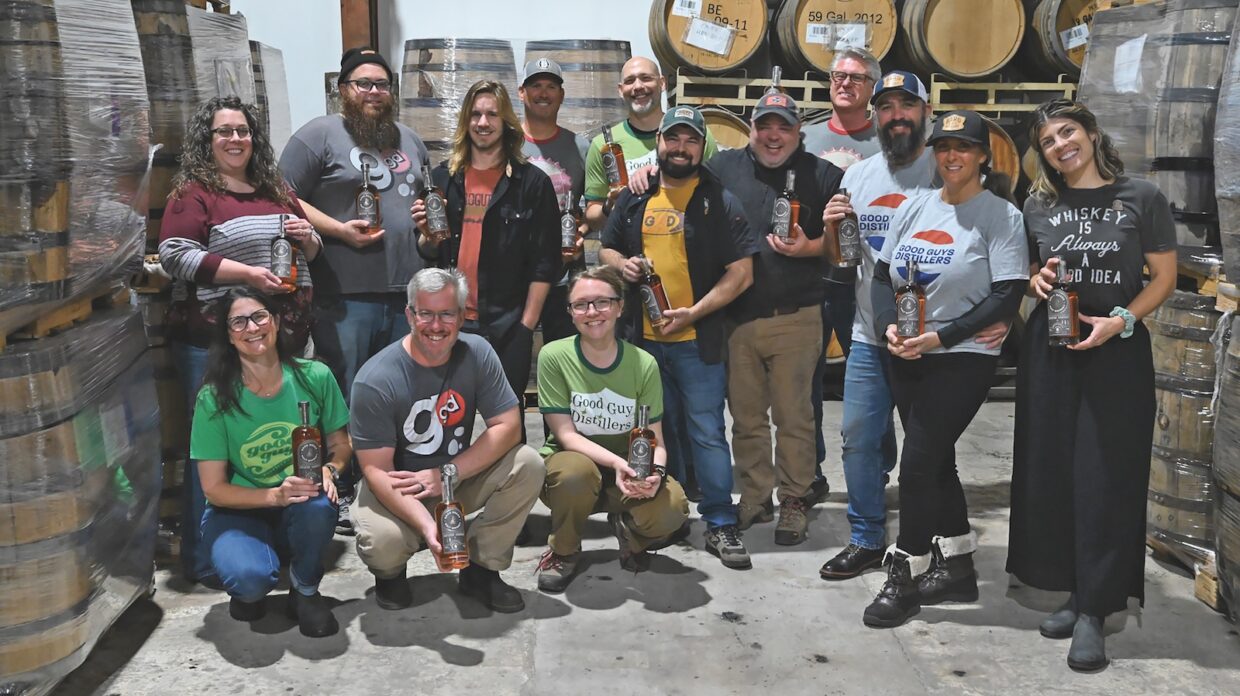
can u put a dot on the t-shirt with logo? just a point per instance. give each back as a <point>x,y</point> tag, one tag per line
<point>603,401</point>
<point>1104,235</point>
<point>427,413</point>
<point>479,185</point>
<point>841,147</point>
<point>640,150</point>
<point>257,439</point>
<point>960,250</point>
<point>876,192</point>
<point>663,242</point>
<point>562,157</point>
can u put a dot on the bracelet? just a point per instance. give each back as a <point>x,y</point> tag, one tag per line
<point>335,472</point>
<point>1130,321</point>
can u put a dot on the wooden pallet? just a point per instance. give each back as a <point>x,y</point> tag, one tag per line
<point>1205,586</point>
<point>995,98</point>
<point>1207,282</point>
<point>60,316</point>
<point>744,92</point>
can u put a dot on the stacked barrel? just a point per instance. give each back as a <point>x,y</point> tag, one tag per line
<point>1227,475</point>
<point>1227,161</point>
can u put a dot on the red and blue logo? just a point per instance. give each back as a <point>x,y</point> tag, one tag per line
<point>878,222</point>
<point>930,249</point>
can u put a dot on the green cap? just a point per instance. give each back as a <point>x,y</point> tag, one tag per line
<point>683,115</point>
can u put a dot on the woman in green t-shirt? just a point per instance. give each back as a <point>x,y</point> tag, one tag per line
<point>242,438</point>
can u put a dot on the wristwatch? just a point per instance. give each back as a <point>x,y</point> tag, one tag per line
<point>335,472</point>
<point>1129,320</point>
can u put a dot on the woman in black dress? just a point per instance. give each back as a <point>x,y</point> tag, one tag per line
<point>1085,413</point>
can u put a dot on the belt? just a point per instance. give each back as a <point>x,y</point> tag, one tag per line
<point>780,311</point>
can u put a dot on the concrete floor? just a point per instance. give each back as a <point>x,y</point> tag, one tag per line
<point>689,626</point>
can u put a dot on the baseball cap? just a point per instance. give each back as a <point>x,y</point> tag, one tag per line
<point>965,125</point>
<point>361,56</point>
<point>542,66</point>
<point>901,80</point>
<point>777,103</point>
<point>684,115</point>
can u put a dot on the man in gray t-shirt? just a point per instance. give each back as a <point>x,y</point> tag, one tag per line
<point>412,412</point>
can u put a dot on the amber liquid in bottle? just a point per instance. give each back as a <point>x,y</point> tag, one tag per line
<point>910,305</point>
<point>613,163</point>
<point>450,520</point>
<point>282,264</point>
<point>843,240</point>
<point>1062,318</point>
<point>641,444</point>
<point>436,208</point>
<point>654,297</point>
<point>787,210</point>
<point>307,448</point>
<point>367,203</point>
<point>570,231</point>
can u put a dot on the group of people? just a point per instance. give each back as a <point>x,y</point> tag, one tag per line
<point>419,333</point>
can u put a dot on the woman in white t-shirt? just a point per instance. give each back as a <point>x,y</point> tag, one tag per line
<point>968,242</point>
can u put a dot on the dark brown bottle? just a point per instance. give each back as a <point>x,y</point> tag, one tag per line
<point>910,305</point>
<point>307,448</point>
<point>842,243</point>
<point>450,520</point>
<point>282,263</point>
<point>654,297</point>
<point>570,231</point>
<point>436,208</point>
<point>613,163</point>
<point>787,210</point>
<point>368,202</point>
<point>641,444</point>
<point>1062,318</point>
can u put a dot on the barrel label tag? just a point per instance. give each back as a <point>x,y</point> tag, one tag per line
<point>709,36</point>
<point>687,8</point>
<point>818,34</point>
<point>1075,37</point>
<point>849,36</point>
<point>1126,76</point>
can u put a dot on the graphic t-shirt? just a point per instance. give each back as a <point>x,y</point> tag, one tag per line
<point>876,193</point>
<point>1103,234</point>
<point>640,150</point>
<point>840,147</point>
<point>602,401</point>
<point>479,185</point>
<point>960,250</point>
<point>427,413</point>
<point>257,439</point>
<point>563,159</point>
<point>663,242</point>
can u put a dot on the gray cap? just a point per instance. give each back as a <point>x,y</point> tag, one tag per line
<point>542,66</point>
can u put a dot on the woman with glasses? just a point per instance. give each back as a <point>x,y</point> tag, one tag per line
<point>228,203</point>
<point>591,388</point>
<point>260,511</point>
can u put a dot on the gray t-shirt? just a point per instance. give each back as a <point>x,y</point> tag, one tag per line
<point>960,251</point>
<point>324,166</point>
<point>426,413</point>
<point>839,147</point>
<point>563,159</point>
<point>876,193</point>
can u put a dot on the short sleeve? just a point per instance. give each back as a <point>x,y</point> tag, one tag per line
<point>301,166</point>
<point>494,394</point>
<point>372,424</point>
<point>1158,228</point>
<point>208,439</point>
<point>1007,248</point>
<point>553,392</point>
<point>596,178</point>
<point>900,222</point>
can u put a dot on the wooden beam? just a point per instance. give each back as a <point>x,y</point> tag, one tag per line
<point>359,22</point>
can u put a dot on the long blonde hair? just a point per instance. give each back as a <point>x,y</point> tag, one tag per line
<point>512,139</point>
<point>1049,183</point>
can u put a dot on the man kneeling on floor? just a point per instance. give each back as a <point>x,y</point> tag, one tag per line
<point>413,409</point>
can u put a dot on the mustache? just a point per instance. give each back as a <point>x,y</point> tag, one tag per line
<point>899,122</point>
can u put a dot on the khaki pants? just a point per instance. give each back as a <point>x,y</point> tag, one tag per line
<point>577,487</point>
<point>771,363</point>
<point>504,492</point>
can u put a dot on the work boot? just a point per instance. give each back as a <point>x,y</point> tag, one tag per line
<point>951,577</point>
<point>899,598</point>
<point>556,571</point>
<point>630,560</point>
<point>1088,650</point>
<point>793,523</point>
<point>818,492</point>
<point>850,562</point>
<point>246,611</point>
<point>747,515</point>
<point>393,593</point>
<point>486,586</point>
<point>725,542</point>
<point>1060,624</point>
<point>314,617</point>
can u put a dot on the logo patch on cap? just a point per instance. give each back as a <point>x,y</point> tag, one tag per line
<point>368,52</point>
<point>893,80</point>
<point>543,64</point>
<point>776,100</point>
<point>684,112</point>
<point>954,122</point>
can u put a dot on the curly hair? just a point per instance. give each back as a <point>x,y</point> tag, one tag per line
<point>198,162</point>
<point>513,134</point>
<point>1048,183</point>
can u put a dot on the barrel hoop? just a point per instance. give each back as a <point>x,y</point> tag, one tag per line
<point>458,43</point>
<point>459,67</point>
<point>1184,385</point>
<point>1220,38</point>
<point>592,67</point>
<point>1178,538</point>
<point>1191,300</point>
<point>1191,95</point>
<point>47,623</point>
<point>24,12</point>
<point>578,45</point>
<point>34,241</point>
<point>48,485</point>
<point>593,102</point>
<point>1193,218</point>
<point>1198,506</point>
<point>19,553</point>
<point>4,43</point>
<point>1170,330</point>
<point>1180,457</point>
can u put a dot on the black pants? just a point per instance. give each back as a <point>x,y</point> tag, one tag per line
<point>555,320</point>
<point>937,397</point>
<point>514,349</point>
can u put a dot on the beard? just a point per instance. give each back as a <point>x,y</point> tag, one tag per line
<point>678,171</point>
<point>372,131</point>
<point>900,149</point>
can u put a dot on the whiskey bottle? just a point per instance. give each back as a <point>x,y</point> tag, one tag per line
<point>1063,322</point>
<point>450,520</point>
<point>613,163</point>
<point>910,304</point>
<point>843,240</point>
<point>654,297</point>
<point>787,210</point>
<point>570,226</point>
<point>367,203</point>
<point>307,448</point>
<point>282,264</point>
<point>641,444</point>
<point>436,208</point>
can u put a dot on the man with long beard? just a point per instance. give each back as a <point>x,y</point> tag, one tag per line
<point>360,277</point>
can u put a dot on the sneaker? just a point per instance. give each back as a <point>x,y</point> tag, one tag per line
<point>344,518</point>
<point>793,527</point>
<point>850,562</point>
<point>725,542</point>
<point>818,492</point>
<point>486,586</point>
<point>630,560</point>
<point>393,593</point>
<point>314,617</point>
<point>246,611</point>
<point>556,571</point>
<point>748,515</point>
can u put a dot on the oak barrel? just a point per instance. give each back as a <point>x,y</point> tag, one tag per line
<point>730,131</point>
<point>721,35</point>
<point>1004,157</point>
<point>591,73</point>
<point>1227,544</point>
<point>1227,161</point>
<point>1227,423</point>
<point>1057,36</point>
<point>809,32</point>
<point>963,38</point>
<point>1180,505</point>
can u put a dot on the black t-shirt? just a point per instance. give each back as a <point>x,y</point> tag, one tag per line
<point>1103,234</point>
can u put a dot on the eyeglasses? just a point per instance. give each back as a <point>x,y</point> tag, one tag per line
<point>227,132</point>
<point>446,317</point>
<point>602,304</point>
<point>260,319</point>
<point>364,85</point>
<point>839,76</point>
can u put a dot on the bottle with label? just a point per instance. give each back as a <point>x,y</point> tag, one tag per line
<point>282,263</point>
<point>654,297</point>
<point>787,210</point>
<point>436,208</point>
<point>307,448</point>
<point>1062,318</point>
<point>570,226</point>
<point>641,444</point>
<point>450,520</point>
<point>367,203</point>
<point>842,243</point>
<point>910,304</point>
<point>613,163</point>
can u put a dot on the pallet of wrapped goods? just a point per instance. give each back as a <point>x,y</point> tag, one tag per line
<point>271,94</point>
<point>1227,476</point>
<point>221,46</point>
<point>1227,161</point>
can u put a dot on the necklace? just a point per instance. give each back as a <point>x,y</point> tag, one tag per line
<point>255,384</point>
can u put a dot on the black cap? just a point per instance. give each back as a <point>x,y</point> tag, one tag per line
<point>965,125</point>
<point>354,57</point>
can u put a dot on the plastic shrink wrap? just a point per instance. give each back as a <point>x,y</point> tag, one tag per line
<point>1227,161</point>
<point>271,94</point>
<point>1227,475</point>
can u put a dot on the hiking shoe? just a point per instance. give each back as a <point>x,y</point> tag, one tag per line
<point>818,492</point>
<point>393,593</point>
<point>314,617</point>
<point>793,524</point>
<point>486,586</point>
<point>630,560</point>
<point>725,542</point>
<point>556,571</point>
<point>850,562</point>
<point>246,611</point>
<point>344,517</point>
<point>748,515</point>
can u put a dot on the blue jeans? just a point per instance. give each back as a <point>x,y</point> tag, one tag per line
<point>347,332</point>
<point>838,310</point>
<point>693,395</point>
<point>246,546</point>
<point>195,564</point>
<point>869,442</point>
